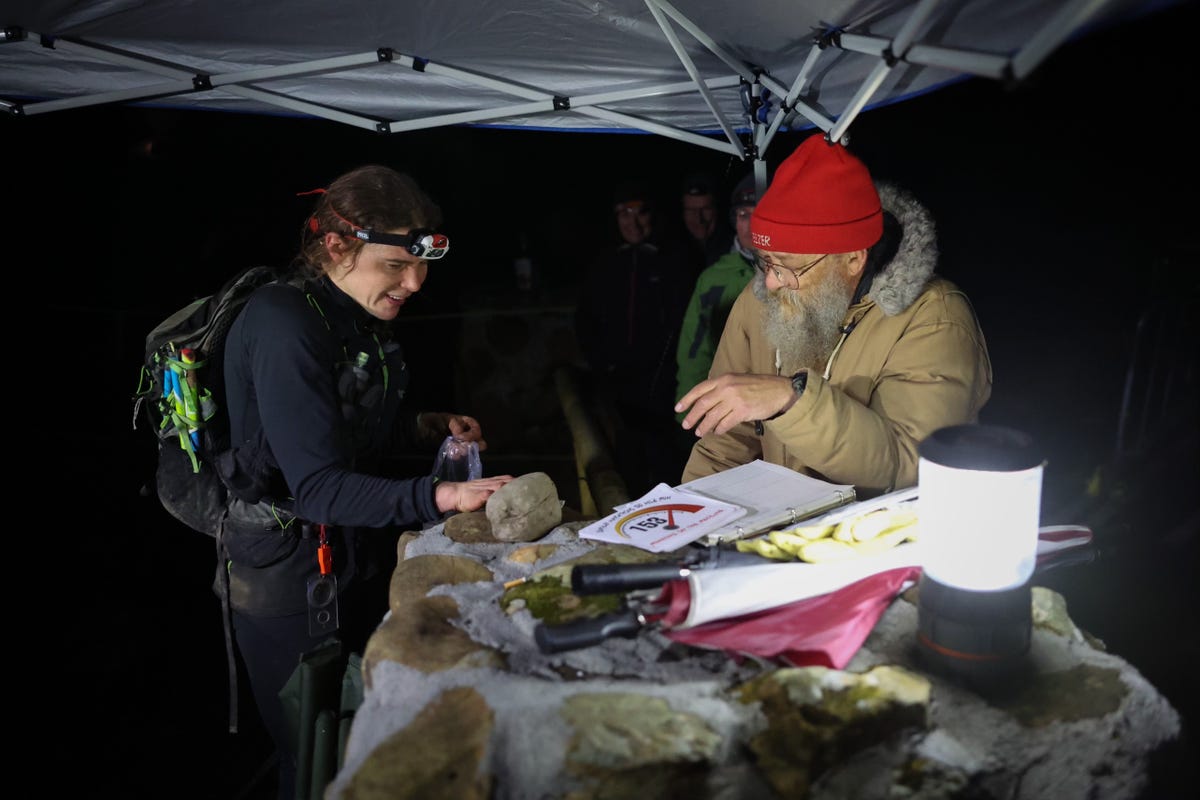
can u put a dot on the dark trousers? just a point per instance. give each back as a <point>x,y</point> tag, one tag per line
<point>271,649</point>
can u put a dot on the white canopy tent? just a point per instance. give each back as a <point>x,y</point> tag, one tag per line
<point>722,76</point>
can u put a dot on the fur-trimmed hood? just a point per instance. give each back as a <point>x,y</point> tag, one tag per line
<point>899,282</point>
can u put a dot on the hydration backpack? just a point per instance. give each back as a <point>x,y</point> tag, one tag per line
<point>182,392</point>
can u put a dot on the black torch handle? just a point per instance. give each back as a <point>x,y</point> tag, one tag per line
<point>615,578</point>
<point>586,632</point>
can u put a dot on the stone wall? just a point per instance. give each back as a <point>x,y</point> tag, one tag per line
<point>461,703</point>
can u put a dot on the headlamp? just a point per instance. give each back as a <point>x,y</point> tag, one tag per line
<point>421,242</point>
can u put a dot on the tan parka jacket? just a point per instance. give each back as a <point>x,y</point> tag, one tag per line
<point>914,360</point>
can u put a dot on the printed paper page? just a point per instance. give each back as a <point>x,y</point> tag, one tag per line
<point>663,519</point>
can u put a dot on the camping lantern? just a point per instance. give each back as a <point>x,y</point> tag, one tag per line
<point>979,504</point>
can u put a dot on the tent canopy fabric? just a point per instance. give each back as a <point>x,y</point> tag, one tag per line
<point>723,76</point>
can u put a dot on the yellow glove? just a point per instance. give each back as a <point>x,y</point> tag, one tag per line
<point>763,547</point>
<point>868,526</point>
<point>865,534</point>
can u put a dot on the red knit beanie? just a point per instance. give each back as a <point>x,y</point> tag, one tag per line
<point>822,200</point>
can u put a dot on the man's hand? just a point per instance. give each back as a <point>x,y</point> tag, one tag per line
<point>467,495</point>
<point>718,404</point>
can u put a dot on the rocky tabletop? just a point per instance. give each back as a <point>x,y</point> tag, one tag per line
<point>460,701</point>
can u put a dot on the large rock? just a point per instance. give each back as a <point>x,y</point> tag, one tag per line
<point>438,755</point>
<point>524,509</point>
<point>469,527</point>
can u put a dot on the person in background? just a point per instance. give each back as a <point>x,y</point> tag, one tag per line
<point>846,349</point>
<point>717,287</point>
<point>711,235</point>
<point>627,324</point>
<point>315,385</point>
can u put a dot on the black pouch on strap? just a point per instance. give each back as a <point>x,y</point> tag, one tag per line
<point>260,534</point>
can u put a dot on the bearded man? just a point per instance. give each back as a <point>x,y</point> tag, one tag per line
<point>845,350</point>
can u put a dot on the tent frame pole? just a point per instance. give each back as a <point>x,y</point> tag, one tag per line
<point>175,80</point>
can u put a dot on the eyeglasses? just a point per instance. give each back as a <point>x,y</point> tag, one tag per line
<point>422,242</point>
<point>762,265</point>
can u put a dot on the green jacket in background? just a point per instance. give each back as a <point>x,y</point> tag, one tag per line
<point>716,288</point>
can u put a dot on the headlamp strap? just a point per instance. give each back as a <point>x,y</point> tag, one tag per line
<point>421,242</point>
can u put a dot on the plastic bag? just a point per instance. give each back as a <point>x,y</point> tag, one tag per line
<point>458,460</point>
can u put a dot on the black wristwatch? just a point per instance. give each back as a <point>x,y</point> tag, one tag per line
<point>800,382</point>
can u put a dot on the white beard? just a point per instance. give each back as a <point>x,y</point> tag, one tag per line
<point>803,327</point>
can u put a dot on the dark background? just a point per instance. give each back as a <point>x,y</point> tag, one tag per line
<point>1065,208</point>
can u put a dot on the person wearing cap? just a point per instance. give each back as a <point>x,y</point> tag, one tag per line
<point>716,288</point>
<point>627,321</point>
<point>710,235</point>
<point>846,349</point>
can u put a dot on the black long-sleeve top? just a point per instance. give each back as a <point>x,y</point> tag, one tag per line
<point>299,438</point>
<point>283,361</point>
